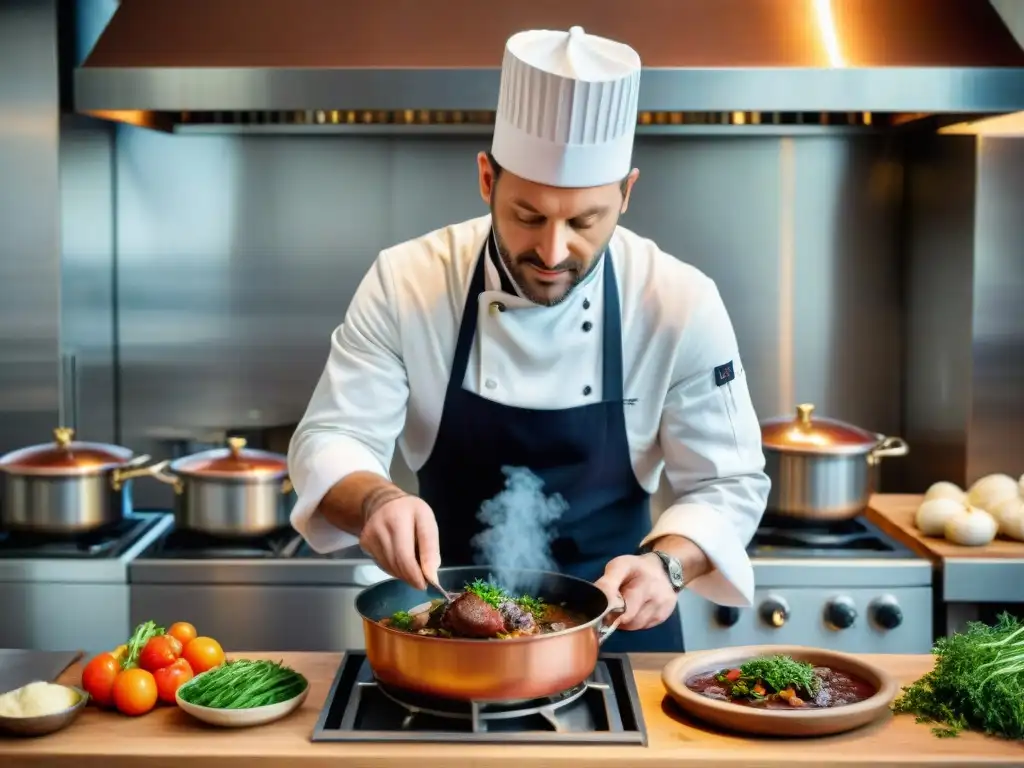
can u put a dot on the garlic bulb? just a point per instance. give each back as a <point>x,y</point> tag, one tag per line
<point>1009,513</point>
<point>971,527</point>
<point>932,515</point>
<point>945,490</point>
<point>987,492</point>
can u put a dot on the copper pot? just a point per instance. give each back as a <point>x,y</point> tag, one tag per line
<point>232,491</point>
<point>67,486</point>
<point>822,468</point>
<point>517,669</point>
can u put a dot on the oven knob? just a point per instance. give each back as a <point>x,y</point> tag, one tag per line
<point>774,612</point>
<point>841,613</point>
<point>887,613</point>
<point>727,615</point>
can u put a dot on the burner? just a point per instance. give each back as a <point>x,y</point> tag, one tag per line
<point>477,711</point>
<point>184,544</point>
<point>106,542</point>
<point>605,708</point>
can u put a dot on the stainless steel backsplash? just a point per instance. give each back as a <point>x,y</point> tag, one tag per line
<point>236,257</point>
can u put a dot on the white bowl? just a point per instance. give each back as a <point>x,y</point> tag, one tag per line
<point>241,718</point>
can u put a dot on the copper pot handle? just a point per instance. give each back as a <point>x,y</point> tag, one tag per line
<point>130,470</point>
<point>606,630</point>
<point>286,486</point>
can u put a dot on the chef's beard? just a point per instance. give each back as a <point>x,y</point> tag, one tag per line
<point>517,266</point>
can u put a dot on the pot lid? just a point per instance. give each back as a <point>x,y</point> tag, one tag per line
<point>234,461</point>
<point>65,456</point>
<point>805,434</point>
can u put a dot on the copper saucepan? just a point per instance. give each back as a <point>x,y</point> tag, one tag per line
<point>516,669</point>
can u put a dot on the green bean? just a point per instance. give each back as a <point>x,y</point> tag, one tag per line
<point>244,684</point>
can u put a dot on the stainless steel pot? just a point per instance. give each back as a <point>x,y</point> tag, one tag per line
<point>231,491</point>
<point>67,487</point>
<point>822,468</point>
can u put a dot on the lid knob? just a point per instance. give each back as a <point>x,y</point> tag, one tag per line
<point>803,412</point>
<point>63,436</point>
<point>576,31</point>
<point>236,444</point>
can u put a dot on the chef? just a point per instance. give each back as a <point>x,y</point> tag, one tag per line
<point>546,336</point>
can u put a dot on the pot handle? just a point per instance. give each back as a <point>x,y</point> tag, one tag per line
<point>890,446</point>
<point>286,486</point>
<point>157,471</point>
<point>606,630</point>
<point>121,475</point>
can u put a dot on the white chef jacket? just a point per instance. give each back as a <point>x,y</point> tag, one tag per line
<point>389,362</point>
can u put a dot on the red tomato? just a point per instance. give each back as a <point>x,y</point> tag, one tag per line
<point>160,652</point>
<point>169,679</point>
<point>135,692</point>
<point>183,632</point>
<point>203,653</point>
<point>98,678</point>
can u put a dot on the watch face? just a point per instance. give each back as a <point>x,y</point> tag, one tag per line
<point>675,572</point>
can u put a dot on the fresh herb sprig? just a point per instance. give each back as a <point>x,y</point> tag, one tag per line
<point>775,674</point>
<point>401,620</point>
<point>244,684</point>
<point>977,682</point>
<point>494,596</point>
<point>143,633</point>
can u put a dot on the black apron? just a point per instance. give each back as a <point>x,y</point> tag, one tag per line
<point>581,453</point>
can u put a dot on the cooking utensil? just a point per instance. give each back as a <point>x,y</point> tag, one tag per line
<point>822,468</point>
<point>516,669</point>
<point>769,722</point>
<point>67,486</point>
<point>448,596</point>
<point>229,491</point>
<point>45,724</point>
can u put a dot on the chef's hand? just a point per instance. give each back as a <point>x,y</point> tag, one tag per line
<point>395,532</point>
<point>642,582</point>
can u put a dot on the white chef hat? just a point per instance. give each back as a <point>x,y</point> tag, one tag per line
<point>567,108</point>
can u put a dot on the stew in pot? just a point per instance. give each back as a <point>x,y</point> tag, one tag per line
<point>486,612</point>
<point>781,682</point>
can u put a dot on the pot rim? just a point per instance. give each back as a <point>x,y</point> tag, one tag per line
<point>833,450</point>
<point>591,625</point>
<point>239,478</point>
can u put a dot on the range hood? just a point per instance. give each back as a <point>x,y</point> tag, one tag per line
<point>406,57</point>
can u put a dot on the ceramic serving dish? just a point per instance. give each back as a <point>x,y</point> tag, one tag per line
<point>778,722</point>
<point>240,718</point>
<point>45,724</point>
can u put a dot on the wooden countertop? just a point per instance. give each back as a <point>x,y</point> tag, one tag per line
<point>169,737</point>
<point>894,514</point>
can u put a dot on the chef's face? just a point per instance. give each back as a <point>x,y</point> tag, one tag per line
<point>550,237</point>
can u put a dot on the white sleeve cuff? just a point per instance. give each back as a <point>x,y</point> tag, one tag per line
<point>731,580</point>
<point>330,460</point>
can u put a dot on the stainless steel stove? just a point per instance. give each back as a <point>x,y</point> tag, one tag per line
<point>265,593</point>
<point>844,585</point>
<point>604,709</point>
<point>64,593</point>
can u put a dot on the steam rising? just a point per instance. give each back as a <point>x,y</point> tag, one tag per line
<point>519,529</point>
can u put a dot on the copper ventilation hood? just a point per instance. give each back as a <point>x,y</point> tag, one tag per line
<point>403,58</point>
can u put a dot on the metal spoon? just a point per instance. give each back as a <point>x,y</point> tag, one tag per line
<point>448,597</point>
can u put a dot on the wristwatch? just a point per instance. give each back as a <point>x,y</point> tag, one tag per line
<point>673,568</point>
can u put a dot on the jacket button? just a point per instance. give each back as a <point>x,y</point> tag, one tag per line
<point>586,303</point>
<point>587,390</point>
<point>490,383</point>
<point>587,326</point>
<point>496,307</point>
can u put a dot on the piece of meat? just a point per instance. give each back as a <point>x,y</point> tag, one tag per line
<point>517,619</point>
<point>469,616</point>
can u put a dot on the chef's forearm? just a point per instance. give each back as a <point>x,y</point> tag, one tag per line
<point>695,563</point>
<point>350,502</point>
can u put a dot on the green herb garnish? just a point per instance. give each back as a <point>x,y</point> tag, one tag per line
<point>143,633</point>
<point>977,682</point>
<point>244,684</point>
<point>494,596</point>
<point>775,674</point>
<point>401,620</point>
